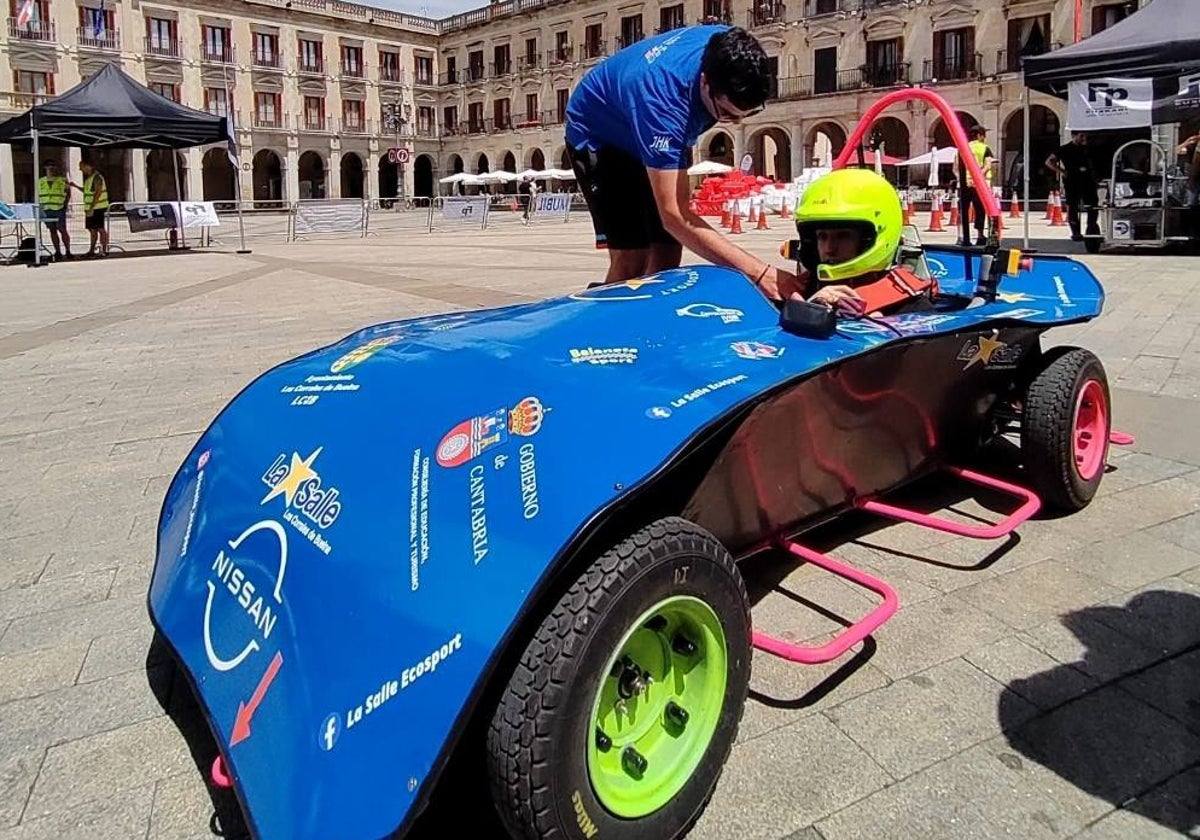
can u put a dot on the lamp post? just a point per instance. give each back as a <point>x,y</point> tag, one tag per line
<point>396,121</point>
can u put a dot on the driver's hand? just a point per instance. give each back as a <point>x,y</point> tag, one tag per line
<point>842,298</point>
<point>779,284</point>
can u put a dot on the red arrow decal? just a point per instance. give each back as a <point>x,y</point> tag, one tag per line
<point>241,724</point>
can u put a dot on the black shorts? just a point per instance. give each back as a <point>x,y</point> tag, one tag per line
<point>95,220</point>
<point>618,195</point>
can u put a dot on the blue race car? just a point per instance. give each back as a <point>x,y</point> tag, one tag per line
<point>514,534</point>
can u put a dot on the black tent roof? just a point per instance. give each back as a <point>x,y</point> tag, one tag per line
<point>112,110</point>
<point>1162,39</point>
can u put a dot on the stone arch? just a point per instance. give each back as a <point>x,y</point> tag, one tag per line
<point>1045,132</point>
<point>508,163</point>
<point>116,165</point>
<point>423,176</point>
<point>389,179</point>
<point>268,178</point>
<point>352,175</point>
<point>939,133</point>
<point>718,147</point>
<point>312,175</point>
<point>537,159</point>
<point>481,163</point>
<point>564,160</point>
<point>455,164</point>
<point>218,176</point>
<point>160,176</point>
<point>895,136</point>
<point>824,142</point>
<point>771,148</point>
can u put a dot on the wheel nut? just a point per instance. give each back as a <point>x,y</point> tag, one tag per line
<point>683,645</point>
<point>603,742</point>
<point>635,762</point>
<point>676,714</point>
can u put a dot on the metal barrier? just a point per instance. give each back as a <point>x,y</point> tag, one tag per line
<point>331,215</point>
<point>459,211</point>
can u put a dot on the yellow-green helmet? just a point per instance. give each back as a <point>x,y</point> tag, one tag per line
<point>850,198</point>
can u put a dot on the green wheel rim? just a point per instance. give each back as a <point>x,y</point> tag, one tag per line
<point>648,736</point>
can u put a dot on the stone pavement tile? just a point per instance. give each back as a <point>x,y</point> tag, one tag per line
<point>1107,743</point>
<point>119,653</point>
<point>802,604</point>
<point>30,674</point>
<point>786,780</point>
<point>1132,560</point>
<point>1163,615</point>
<point>74,624</point>
<point>18,769</point>
<point>133,577</point>
<point>1030,595</point>
<point>182,810</point>
<point>1172,687</point>
<point>1168,811</point>
<point>1183,531</point>
<point>1146,373</point>
<point>61,593</point>
<point>982,793</point>
<point>1088,646</point>
<point>109,764</point>
<point>1134,509</point>
<point>1164,425</point>
<point>1012,659</point>
<point>123,818</point>
<point>23,559</point>
<point>1136,469</point>
<point>934,631</point>
<point>35,516</point>
<point>924,718</point>
<point>78,711</point>
<point>783,692</point>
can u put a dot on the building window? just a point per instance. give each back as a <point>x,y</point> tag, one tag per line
<point>475,66</point>
<point>160,37</point>
<point>266,110</point>
<point>1105,16</point>
<point>531,107</point>
<point>825,70</point>
<point>39,27</point>
<point>475,117</point>
<point>266,49</point>
<point>562,95</point>
<point>631,30</point>
<point>168,90</point>
<point>425,121</point>
<point>352,115</point>
<point>217,43</point>
<point>885,62</point>
<point>311,57</point>
<point>530,59</point>
<point>1026,36</point>
<point>352,62</point>
<point>97,28</point>
<point>717,11</point>
<point>562,47</point>
<point>953,55</point>
<point>502,60</point>
<point>314,113</point>
<point>670,17</point>
<point>423,64</point>
<point>33,87</point>
<point>451,69</point>
<point>593,40</point>
<point>216,101</point>
<point>502,113</point>
<point>389,66</point>
<point>450,120</point>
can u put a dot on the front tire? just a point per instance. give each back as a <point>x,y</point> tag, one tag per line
<point>624,707</point>
<point>1065,429</point>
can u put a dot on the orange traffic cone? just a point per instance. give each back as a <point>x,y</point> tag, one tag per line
<point>736,226</point>
<point>954,217</point>
<point>1056,218</point>
<point>762,220</point>
<point>725,222</point>
<point>783,209</point>
<point>906,208</point>
<point>1014,206</point>
<point>1049,207</point>
<point>753,218</point>
<point>935,214</point>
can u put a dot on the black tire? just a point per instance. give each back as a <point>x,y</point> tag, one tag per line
<point>1048,429</point>
<point>537,741</point>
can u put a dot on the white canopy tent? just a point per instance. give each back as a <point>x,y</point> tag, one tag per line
<point>709,167</point>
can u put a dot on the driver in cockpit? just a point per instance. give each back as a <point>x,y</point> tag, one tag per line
<point>850,224</point>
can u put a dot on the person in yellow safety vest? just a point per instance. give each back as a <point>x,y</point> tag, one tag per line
<point>95,207</point>
<point>969,194</point>
<point>53,196</point>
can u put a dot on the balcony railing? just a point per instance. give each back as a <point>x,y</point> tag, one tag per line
<point>390,74</point>
<point>449,77</point>
<point>108,39</point>
<point>500,68</point>
<point>426,130</point>
<point>765,13</point>
<point>450,129</point>
<point>356,126</point>
<point>554,117</point>
<point>622,42</point>
<point>314,122</point>
<point>885,75</point>
<point>310,65</point>
<point>953,68</point>
<point>533,120</point>
<point>34,30</point>
<point>559,55</point>
<point>525,63</point>
<point>502,123</point>
<point>474,73</point>
<point>267,120</point>
<point>162,47</point>
<point>216,53</point>
<point>1010,62</point>
<point>814,8</point>
<point>714,17</point>
<point>352,69</point>
<point>593,50</point>
<point>271,60</point>
<point>13,100</point>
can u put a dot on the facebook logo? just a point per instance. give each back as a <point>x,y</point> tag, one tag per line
<point>330,729</point>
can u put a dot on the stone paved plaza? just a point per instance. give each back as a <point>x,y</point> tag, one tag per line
<point>1040,687</point>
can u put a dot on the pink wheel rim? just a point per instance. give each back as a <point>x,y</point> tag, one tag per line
<point>1090,433</point>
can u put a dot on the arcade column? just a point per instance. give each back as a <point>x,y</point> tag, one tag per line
<point>137,163</point>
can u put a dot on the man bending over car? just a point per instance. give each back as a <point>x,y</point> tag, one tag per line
<point>631,123</point>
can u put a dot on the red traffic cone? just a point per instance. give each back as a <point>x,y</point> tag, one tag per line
<point>1014,206</point>
<point>753,218</point>
<point>1056,214</point>
<point>1049,207</point>
<point>762,220</point>
<point>725,222</point>
<point>935,215</point>
<point>954,217</point>
<point>736,226</point>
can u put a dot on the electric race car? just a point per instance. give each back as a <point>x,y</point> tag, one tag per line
<point>526,523</point>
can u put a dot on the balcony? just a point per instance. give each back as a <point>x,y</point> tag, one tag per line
<point>502,123</point>
<point>451,129</point>
<point>356,126</point>
<point>593,50</point>
<point>554,117</point>
<point>816,8</point>
<point>424,79</point>
<point>390,74</point>
<point>352,69</point>
<point>766,13</point>
<point>529,63</point>
<point>559,55</point>
<point>449,77</point>
<point>793,87</point>
<point>953,68</point>
<point>216,53</point>
<point>500,68</point>
<point>162,47</point>
<point>533,120</point>
<point>13,100</point>
<point>109,39</point>
<point>35,30</point>
<point>267,120</point>
<point>314,122</point>
<point>474,73</point>
<point>712,17</point>
<point>426,130</point>
<point>622,42</point>
<point>885,75</point>
<point>477,126</point>
<point>1008,61</point>
<point>310,65</point>
<point>271,61</point>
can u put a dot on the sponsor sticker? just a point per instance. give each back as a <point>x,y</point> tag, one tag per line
<point>309,505</point>
<point>476,435</point>
<point>990,351</point>
<point>755,350</point>
<point>604,355</point>
<point>710,310</point>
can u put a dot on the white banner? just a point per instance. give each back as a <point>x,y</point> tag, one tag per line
<point>197,214</point>
<point>329,216</point>
<point>464,208</point>
<point>1099,104</point>
<point>553,205</point>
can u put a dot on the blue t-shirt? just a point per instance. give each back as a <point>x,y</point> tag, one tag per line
<point>645,99</point>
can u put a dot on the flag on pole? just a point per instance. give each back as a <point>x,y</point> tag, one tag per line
<point>879,159</point>
<point>231,148</point>
<point>25,15</point>
<point>933,168</point>
<point>98,22</point>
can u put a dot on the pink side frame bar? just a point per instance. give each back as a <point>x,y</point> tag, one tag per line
<point>1032,504</point>
<point>219,776</point>
<point>845,640</point>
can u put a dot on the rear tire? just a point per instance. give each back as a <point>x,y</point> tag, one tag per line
<point>1065,428</point>
<point>580,744</point>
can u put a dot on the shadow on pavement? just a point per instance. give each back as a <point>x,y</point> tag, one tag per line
<point>1138,728</point>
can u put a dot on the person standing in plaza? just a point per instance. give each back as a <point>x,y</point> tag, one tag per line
<point>53,195</point>
<point>95,207</point>
<point>1074,166</point>
<point>969,193</point>
<point>631,123</point>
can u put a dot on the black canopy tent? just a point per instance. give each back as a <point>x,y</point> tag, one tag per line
<point>112,110</point>
<point>1160,41</point>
